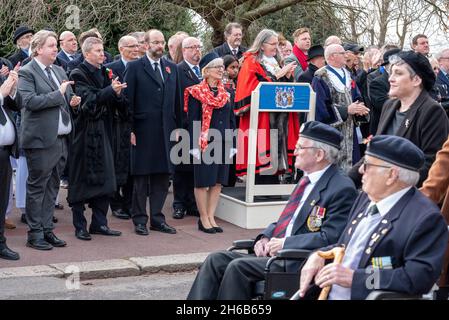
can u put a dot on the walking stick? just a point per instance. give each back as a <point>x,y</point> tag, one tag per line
<point>337,254</point>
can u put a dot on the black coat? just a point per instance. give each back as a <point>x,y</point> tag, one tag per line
<point>80,58</point>
<point>442,88</point>
<point>426,125</point>
<point>187,78</point>
<point>224,49</point>
<point>91,158</point>
<point>152,107</point>
<point>307,76</point>
<point>378,93</point>
<point>118,68</point>
<point>17,57</point>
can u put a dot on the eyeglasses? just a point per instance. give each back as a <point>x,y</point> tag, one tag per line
<point>158,43</point>
<point>272,44</point>
<point>366,164</point>
<point>300,147</point>
<point>194,47</point>
<point>132,46</point>
<point>344,52</point>
<point>217,67</point>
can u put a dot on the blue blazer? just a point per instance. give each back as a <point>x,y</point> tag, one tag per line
<point>413,235</point>
<point>152,108</point>
<point>336,192</point>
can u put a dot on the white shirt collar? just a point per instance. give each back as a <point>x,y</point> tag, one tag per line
<point>68,54</point>
<point>315,176</point>
<point>232,49</point>
<point>387,203</point>
<point>153,61</point>
<point>123,61</point>
<point>40,64</point>
<point>191,65</point>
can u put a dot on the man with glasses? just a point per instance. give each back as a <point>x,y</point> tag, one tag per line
<point>189,75</point>
<point>140,36</point>
<point>338,102</point>
<point>233,35</point>
<point>315,214</point>
<point>153,85</point>
<point>69,46</point>
<point>395,238</point>
<point>121,202</point>
<point>22,39</point>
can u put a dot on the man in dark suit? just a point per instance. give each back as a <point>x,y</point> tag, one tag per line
<point>121,202</point>
<point>443,78</point>
<point>69,47</point>
<point>316,214</point>
<point>233,34</point>
<point>8,147</point>
<point>46,98</point>
<point>22,39</point>
<point>378,91</point>
<point>316,61</point>
<point>395,238</point>
<point>152,88</point>
<point>189,74</point>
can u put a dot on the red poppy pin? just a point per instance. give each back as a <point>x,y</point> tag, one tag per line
<point>168,70</point>
<point>110,73</point>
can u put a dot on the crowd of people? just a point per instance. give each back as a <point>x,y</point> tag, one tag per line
<point>117,131</point>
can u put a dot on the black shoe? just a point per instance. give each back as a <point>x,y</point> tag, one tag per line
<point>39,244</point>
<point>207,230</point>
<point>23,218</point>
<point>104,230</point>
<point>52,239</point>
<point>83,235</point>
<point>59,206</point>
<point>54,219</point>
<point>179,214</point>
<point>218,229</point>
<point>164,228</point>
<point>141,230</point>
<point>121,214</point>
<point>8,254</point>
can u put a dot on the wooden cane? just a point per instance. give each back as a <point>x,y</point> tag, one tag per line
<point>337,254</point>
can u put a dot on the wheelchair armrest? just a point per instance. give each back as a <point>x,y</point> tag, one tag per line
<point>246,244</point>
<point>391,295</point>
<point>293,254</point>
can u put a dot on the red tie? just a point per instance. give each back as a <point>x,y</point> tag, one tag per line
<point>290,208</point>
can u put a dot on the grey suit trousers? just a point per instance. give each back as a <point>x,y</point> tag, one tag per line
<point>45,167</point>
<point>5,182</point>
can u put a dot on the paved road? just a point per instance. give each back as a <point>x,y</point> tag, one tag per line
<point>152,287</point>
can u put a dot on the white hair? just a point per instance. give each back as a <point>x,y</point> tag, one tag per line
<point>441,53</point>
<point>331,49</point>
<point>187,41</point>
<point>331,153</point>
<point>408,177</point>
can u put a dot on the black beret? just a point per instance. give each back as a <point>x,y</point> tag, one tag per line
<point>208,58</point>
<point>20,31</point>
<point>396,150</point>
<point>353,47</point>
<point>321,132</point>
<point>388,54</point>
<point>421,65</point>
<point>315,51</point>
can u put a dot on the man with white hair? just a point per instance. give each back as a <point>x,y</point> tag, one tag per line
<point>189,75</point>
<point>315,213</point>
<point>332,40</point>
<point>443,78</point>
<point>338,102</point>
<point>395,238</point>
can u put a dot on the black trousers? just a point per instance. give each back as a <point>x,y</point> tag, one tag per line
<point>183,194</point>
<point>155,187</point>
<point>99,206</point>
<point>228,275</point>
<point>123,196</point>
<point>5,183</point>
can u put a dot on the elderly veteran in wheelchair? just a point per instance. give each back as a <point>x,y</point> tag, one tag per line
<point>395,238</point>
<point>314,216</point>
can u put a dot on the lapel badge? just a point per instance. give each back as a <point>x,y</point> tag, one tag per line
<point>407,123</point>
<point>313,203</point>
<point>374,235</point>
<point>384,221</point>
<point>354,221</point>
<point>368,251</point>
<point>384,231</point>
<point>349,231</point>
<point>360,215</point>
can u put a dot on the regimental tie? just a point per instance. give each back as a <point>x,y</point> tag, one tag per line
<point>64,113</point>
<point>157,72</point>
<point>290,208</point>
<point>197,72</point>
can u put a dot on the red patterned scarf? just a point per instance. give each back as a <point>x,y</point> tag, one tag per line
<point>209,102</point>
<point>302,57</point>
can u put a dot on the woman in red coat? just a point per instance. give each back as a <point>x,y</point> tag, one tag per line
<point>261,63</point>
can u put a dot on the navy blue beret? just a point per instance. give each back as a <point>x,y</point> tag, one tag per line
<point>396,150</point>
<point>421,65</point>
<point>208,58</point>
<point>321,132</point>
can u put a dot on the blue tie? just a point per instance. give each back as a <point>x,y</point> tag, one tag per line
<point>197,72</point>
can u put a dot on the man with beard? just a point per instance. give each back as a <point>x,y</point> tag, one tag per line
<point>151,92</point>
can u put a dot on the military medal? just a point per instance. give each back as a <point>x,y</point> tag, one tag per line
<point>315,219</point>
